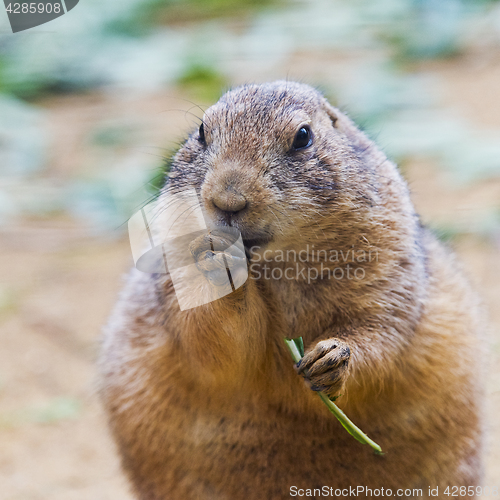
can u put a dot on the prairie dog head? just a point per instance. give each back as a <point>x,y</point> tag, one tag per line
<point>277,162</point>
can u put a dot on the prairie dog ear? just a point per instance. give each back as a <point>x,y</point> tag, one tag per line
<point>339,120</point>
<point>331,112</point>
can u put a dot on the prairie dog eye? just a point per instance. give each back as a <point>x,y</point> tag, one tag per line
<point>201,137</point>
<point>303,138</point>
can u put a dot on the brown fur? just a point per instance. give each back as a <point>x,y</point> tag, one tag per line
<point>206,404</point>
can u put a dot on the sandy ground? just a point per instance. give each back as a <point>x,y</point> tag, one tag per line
<point>60,285</point>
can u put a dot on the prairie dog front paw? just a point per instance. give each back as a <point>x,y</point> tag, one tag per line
<point>215,255</point>
<point>325,366</point>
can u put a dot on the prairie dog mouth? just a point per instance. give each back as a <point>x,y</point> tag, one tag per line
<point>256,242</point>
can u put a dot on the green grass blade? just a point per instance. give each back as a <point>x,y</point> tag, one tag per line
<point>296,348</point>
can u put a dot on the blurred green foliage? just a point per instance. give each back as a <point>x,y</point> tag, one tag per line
<point>430,29</point>
<point>107,36</point>
<point>60,408</point>
<point>112,135</point>
<point>181,11</point>
<point>9,302</point>
<point>203,83</point>
<point>152,13</point>
<point>446,233</point>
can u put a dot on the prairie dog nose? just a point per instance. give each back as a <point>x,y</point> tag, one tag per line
<point>229,200</point>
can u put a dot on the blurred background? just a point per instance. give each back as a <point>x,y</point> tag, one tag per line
<point>93,102</point>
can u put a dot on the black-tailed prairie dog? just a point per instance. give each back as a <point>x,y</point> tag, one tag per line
<point>206,403</point>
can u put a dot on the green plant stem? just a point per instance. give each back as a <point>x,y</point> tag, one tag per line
<point>352,429</point>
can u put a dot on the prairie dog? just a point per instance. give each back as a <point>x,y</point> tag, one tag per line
<point>206,403</point>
